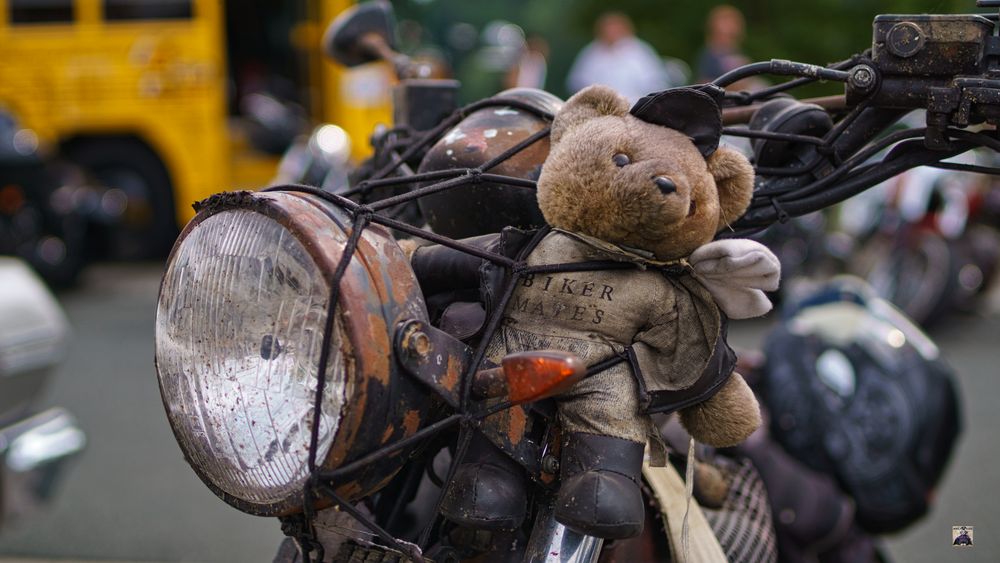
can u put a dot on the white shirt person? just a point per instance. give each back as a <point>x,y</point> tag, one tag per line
<point>619,59</point>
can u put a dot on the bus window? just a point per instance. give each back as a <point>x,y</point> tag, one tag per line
<point>119,10</point>
<point>261,57</point>
<point>41,11</point>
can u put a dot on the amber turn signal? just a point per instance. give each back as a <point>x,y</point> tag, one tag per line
<point>539,374</point>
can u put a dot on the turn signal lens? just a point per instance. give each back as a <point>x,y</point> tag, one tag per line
<point>536,375</point>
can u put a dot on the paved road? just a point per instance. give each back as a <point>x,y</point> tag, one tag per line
<point>132,497</point>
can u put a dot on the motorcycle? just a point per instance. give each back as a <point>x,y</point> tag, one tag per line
<point>930,252</point>
<point>39,218</point>
<point>309,373</point>
<point>35,445</point>
<point>853,390</point>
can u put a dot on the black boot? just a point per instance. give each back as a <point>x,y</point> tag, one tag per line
<point>488,491</point>
<point>600,493</point>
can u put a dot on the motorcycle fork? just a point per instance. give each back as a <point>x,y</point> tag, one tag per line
<point>552,542</point>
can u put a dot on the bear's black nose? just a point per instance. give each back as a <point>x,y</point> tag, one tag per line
<point>665,184</point>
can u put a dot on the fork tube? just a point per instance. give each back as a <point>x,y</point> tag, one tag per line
<point>551,542</point>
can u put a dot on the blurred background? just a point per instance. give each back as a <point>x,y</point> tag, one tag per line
<point>117,115</point>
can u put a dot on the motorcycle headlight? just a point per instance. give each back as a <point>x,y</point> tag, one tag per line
<point>239,331</point>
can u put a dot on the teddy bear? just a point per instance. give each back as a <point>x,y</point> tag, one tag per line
<point>634,198</point>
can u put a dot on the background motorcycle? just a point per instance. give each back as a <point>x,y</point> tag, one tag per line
<point>34,445</point>
<point>927,242</point>
<point>39,216</point>
<point>856,396</point>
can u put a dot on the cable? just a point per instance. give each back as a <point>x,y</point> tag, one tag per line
<point>765,214</point>
<point>747,98</point>
<point>780,67</point>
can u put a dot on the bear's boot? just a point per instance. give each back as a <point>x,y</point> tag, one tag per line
<point>488,491</point>
<point>600,493</point>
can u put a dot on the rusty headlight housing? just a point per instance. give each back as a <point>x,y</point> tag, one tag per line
<point>239,328</point>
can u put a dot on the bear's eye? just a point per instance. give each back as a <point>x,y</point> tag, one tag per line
<point>621,159</point>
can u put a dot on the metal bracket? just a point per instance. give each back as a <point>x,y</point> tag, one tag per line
<point>439,360</point>
<point>434,357</point>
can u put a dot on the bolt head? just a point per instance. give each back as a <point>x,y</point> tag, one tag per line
<point>550,464</point>
<point>420,343</point>
<point>905,39</point>
<point>862,77</point>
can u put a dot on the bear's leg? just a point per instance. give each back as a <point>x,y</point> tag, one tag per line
<point>599,494</point>
<point>489,490</point>
<point>726,419</point>
<point>605,437</point>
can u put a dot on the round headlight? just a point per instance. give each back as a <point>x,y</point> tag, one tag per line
<point>239,331</point>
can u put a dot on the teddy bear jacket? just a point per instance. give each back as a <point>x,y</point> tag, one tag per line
<point>662,319</point>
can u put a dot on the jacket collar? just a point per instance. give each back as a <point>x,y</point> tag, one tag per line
<point>621,253</point>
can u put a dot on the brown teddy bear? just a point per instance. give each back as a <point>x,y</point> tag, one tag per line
<point>635,199</point>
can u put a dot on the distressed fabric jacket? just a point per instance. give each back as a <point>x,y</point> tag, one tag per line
<point>660,310</point>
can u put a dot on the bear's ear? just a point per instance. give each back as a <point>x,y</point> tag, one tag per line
<point>589,103</point>
<point>692,110</point>
<point>733,175</point>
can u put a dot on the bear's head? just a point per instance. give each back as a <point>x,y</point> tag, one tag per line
<point>634,183</point>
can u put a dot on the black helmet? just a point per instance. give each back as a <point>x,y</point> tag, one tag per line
<point>477,209</point>
<point>857,391</point>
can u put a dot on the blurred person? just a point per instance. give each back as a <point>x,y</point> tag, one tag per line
<point>725,29</point>
<point>619,59</point>
<point>531,67</point>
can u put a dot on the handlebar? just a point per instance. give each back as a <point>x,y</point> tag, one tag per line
<point>809,154</point>
<point>948,65</point>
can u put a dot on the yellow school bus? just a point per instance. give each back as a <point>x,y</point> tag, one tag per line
<point>146,95</point>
